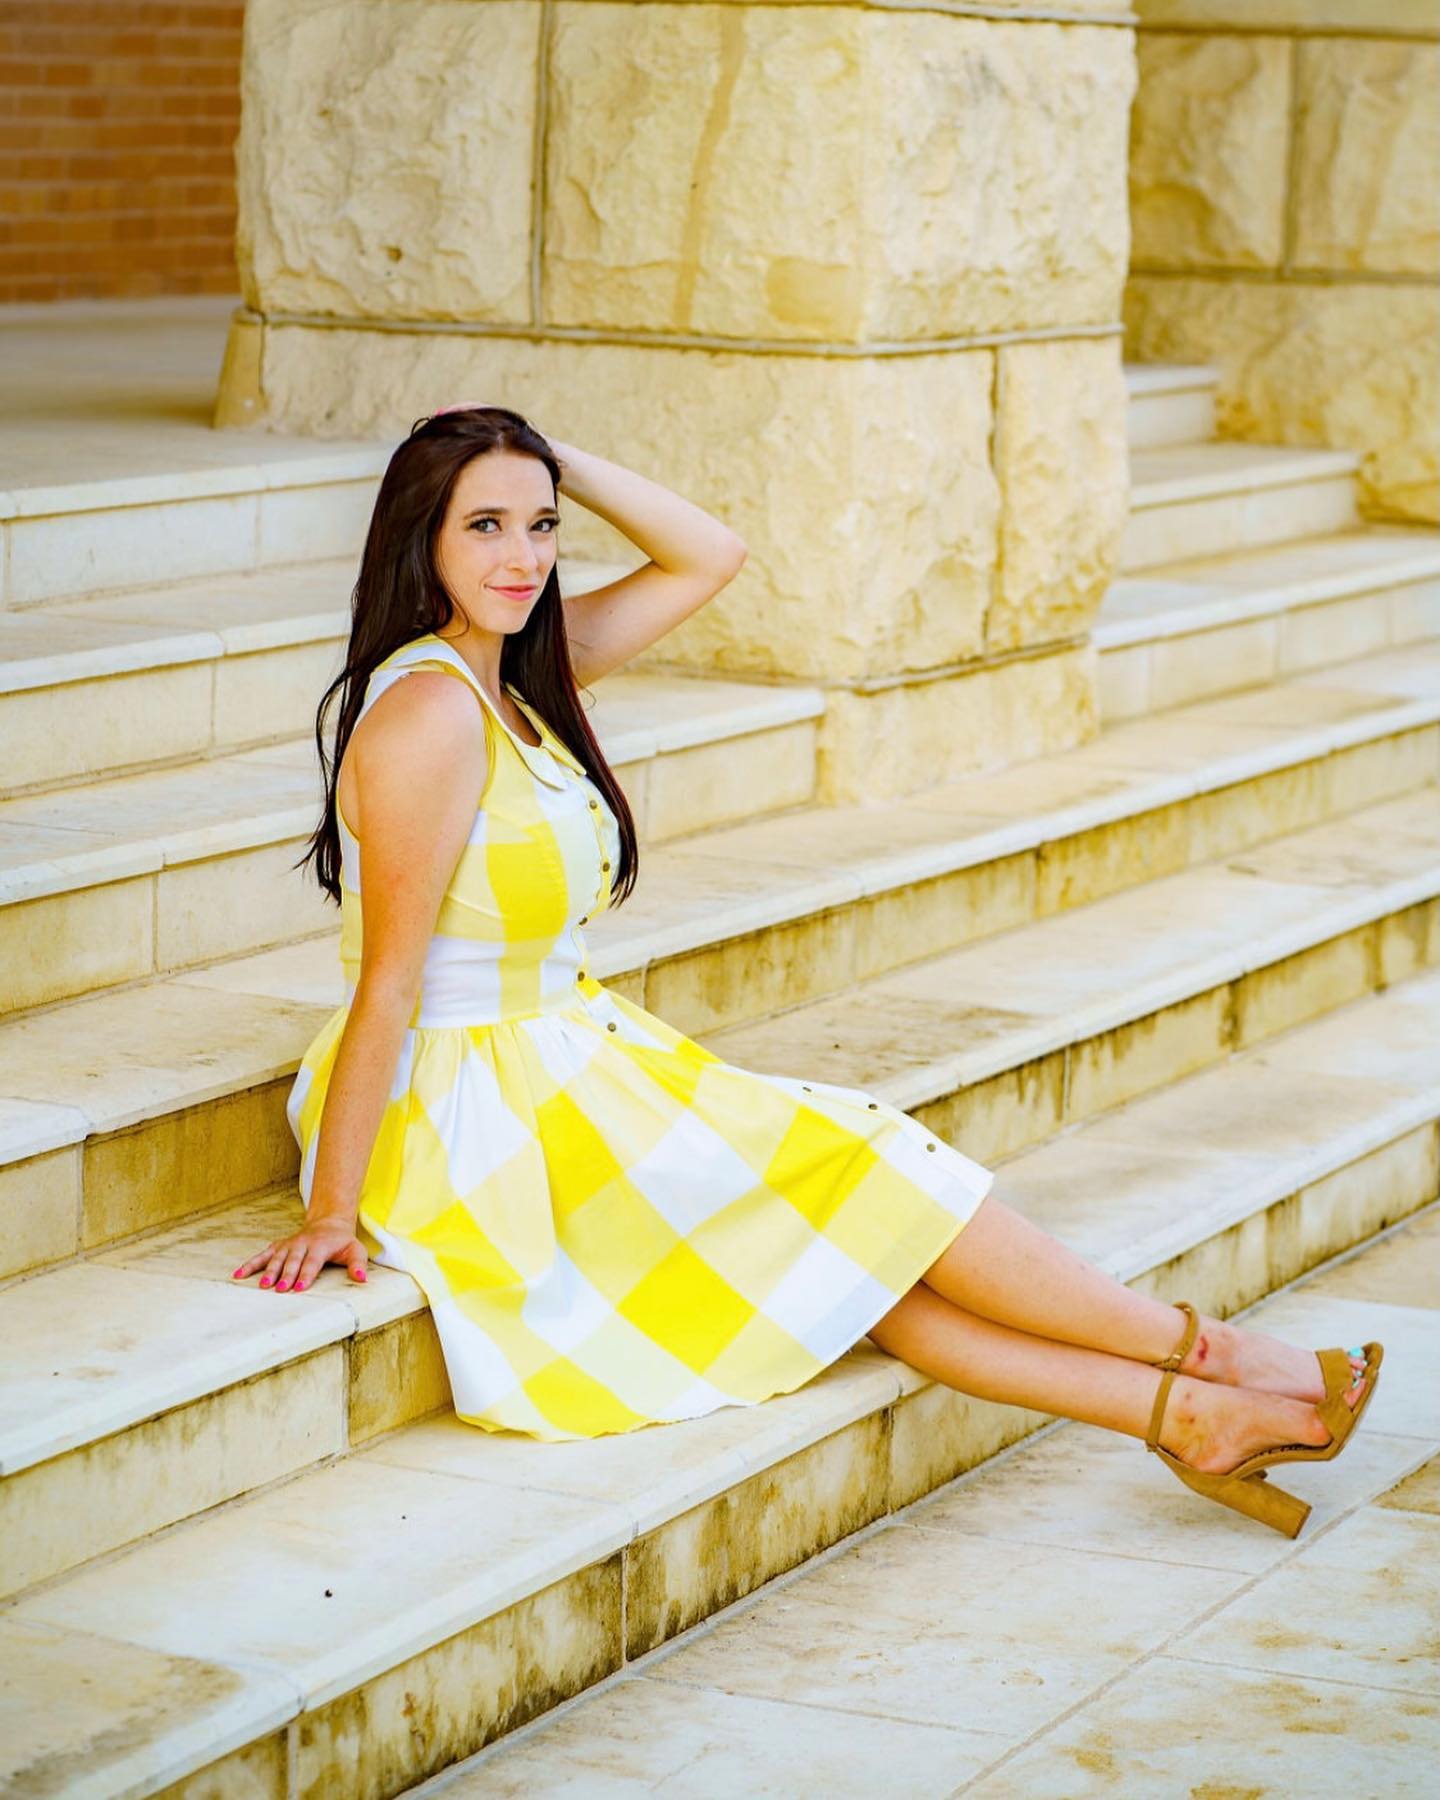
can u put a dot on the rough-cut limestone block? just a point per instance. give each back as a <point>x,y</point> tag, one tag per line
<point>1208,151</point>
<point>1353,367</point>
<point>665,122</point>
<point>1303,15</point>
<point>900,739</point>
<point>385,159</point>
<point>863,488</point>
<point>1368,156</point>
<point>1064,467</point>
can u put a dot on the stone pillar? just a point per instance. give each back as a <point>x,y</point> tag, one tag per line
<point>848,276</point>
<point>1285,177</point>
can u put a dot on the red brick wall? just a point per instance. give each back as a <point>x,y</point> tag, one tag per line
<point>117,147</point>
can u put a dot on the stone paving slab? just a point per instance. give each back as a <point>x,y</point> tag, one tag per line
<point>1073,1609</point>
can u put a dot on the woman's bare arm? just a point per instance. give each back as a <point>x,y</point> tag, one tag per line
<point>692,556</point>
<point>420,764</point>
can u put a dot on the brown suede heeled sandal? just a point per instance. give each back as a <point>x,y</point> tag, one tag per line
<point>1244,1488</point>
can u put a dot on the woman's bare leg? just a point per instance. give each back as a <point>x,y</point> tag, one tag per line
<point>1208,1425</point>
<point>1004,1268</point>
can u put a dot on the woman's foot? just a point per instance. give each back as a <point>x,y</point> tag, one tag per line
<point>1239,1357</point>
<point>1214,1428</point>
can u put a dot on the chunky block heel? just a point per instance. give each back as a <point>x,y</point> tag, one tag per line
<point>1245,1488</point>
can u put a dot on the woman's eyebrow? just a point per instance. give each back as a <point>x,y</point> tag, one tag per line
<point>503,510</point>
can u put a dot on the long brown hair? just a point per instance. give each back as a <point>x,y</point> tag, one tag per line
<point>399,595</point>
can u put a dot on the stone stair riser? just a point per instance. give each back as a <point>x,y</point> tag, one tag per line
<point>741,979</point>
<point>1021,1106</point>
<point>521,1661</point>
<point>84,730</point>
<point>1160,419</point>
<point>189,1160</point>
<point>72,554</point>
<point>1171,530</point>
<point>1173,671</point>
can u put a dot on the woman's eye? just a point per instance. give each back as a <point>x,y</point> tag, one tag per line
<point>552,524</point>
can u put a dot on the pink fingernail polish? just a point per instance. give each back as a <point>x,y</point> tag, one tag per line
<point>264,1281</point>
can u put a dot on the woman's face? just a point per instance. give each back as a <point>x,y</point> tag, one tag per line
<point>499,535</point>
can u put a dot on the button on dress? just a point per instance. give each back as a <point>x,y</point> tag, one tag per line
<point>613,1227</point>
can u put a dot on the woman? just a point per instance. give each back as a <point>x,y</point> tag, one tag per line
<point>613,1226</point>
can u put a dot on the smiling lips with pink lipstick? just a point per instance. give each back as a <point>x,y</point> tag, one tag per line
<point>522,593</point>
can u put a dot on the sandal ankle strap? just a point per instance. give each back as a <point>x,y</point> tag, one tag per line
<point>1157,1414</point>
<point>1192,1331</point>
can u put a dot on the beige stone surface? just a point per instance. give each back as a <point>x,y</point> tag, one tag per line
<point>1403,1269</point>
<point>1208,150</point>
<point>455,1551</point>
<point>62,1512</point>
<point>1351,16</point>
<point>713,784</point>
<point>70,943</point>
<point>1367,156</point>
<point>1063,462</point>
<point>39,1210</point>
<point>1355,365</point>
<point>80,1708</point>
<point>186,1160</point>
<point>151,713</point>
<point>643,1737</point>
<point>705,1559</point>
<point>862,487</point>
<point>899,740</point>
<point>1170,1728</point>
<point>701,108</point>
<point>385,158</point>
<point>1378,1571</point>
<point>421,1715</point>
<point>975,1635</point>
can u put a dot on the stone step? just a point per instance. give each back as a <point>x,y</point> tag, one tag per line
<point>254,501</point>
<point>1201,499</point>
<point>1170,403</point>
<point>171,1094</point>
<point>99,885</point>
<point>115,880</point>
<point>197,668</point>
<point>956,1647</point>
<point>497,1575</point>
<point>1214,624</point>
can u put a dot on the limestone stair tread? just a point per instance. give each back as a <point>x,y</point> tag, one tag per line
<point>420,1534</point>
<point>1145,379</point>
<point>59,840</point>
<point>105,1061</point>
<point>1199,593</point>
<point>1166,473</point>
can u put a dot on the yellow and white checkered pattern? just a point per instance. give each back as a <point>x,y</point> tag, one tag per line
<point>613,1227</point>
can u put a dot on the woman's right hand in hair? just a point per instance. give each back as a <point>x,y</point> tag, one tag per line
<point>293,1262</point>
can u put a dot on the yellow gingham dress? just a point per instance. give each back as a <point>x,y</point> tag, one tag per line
<point>613,1227</point>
